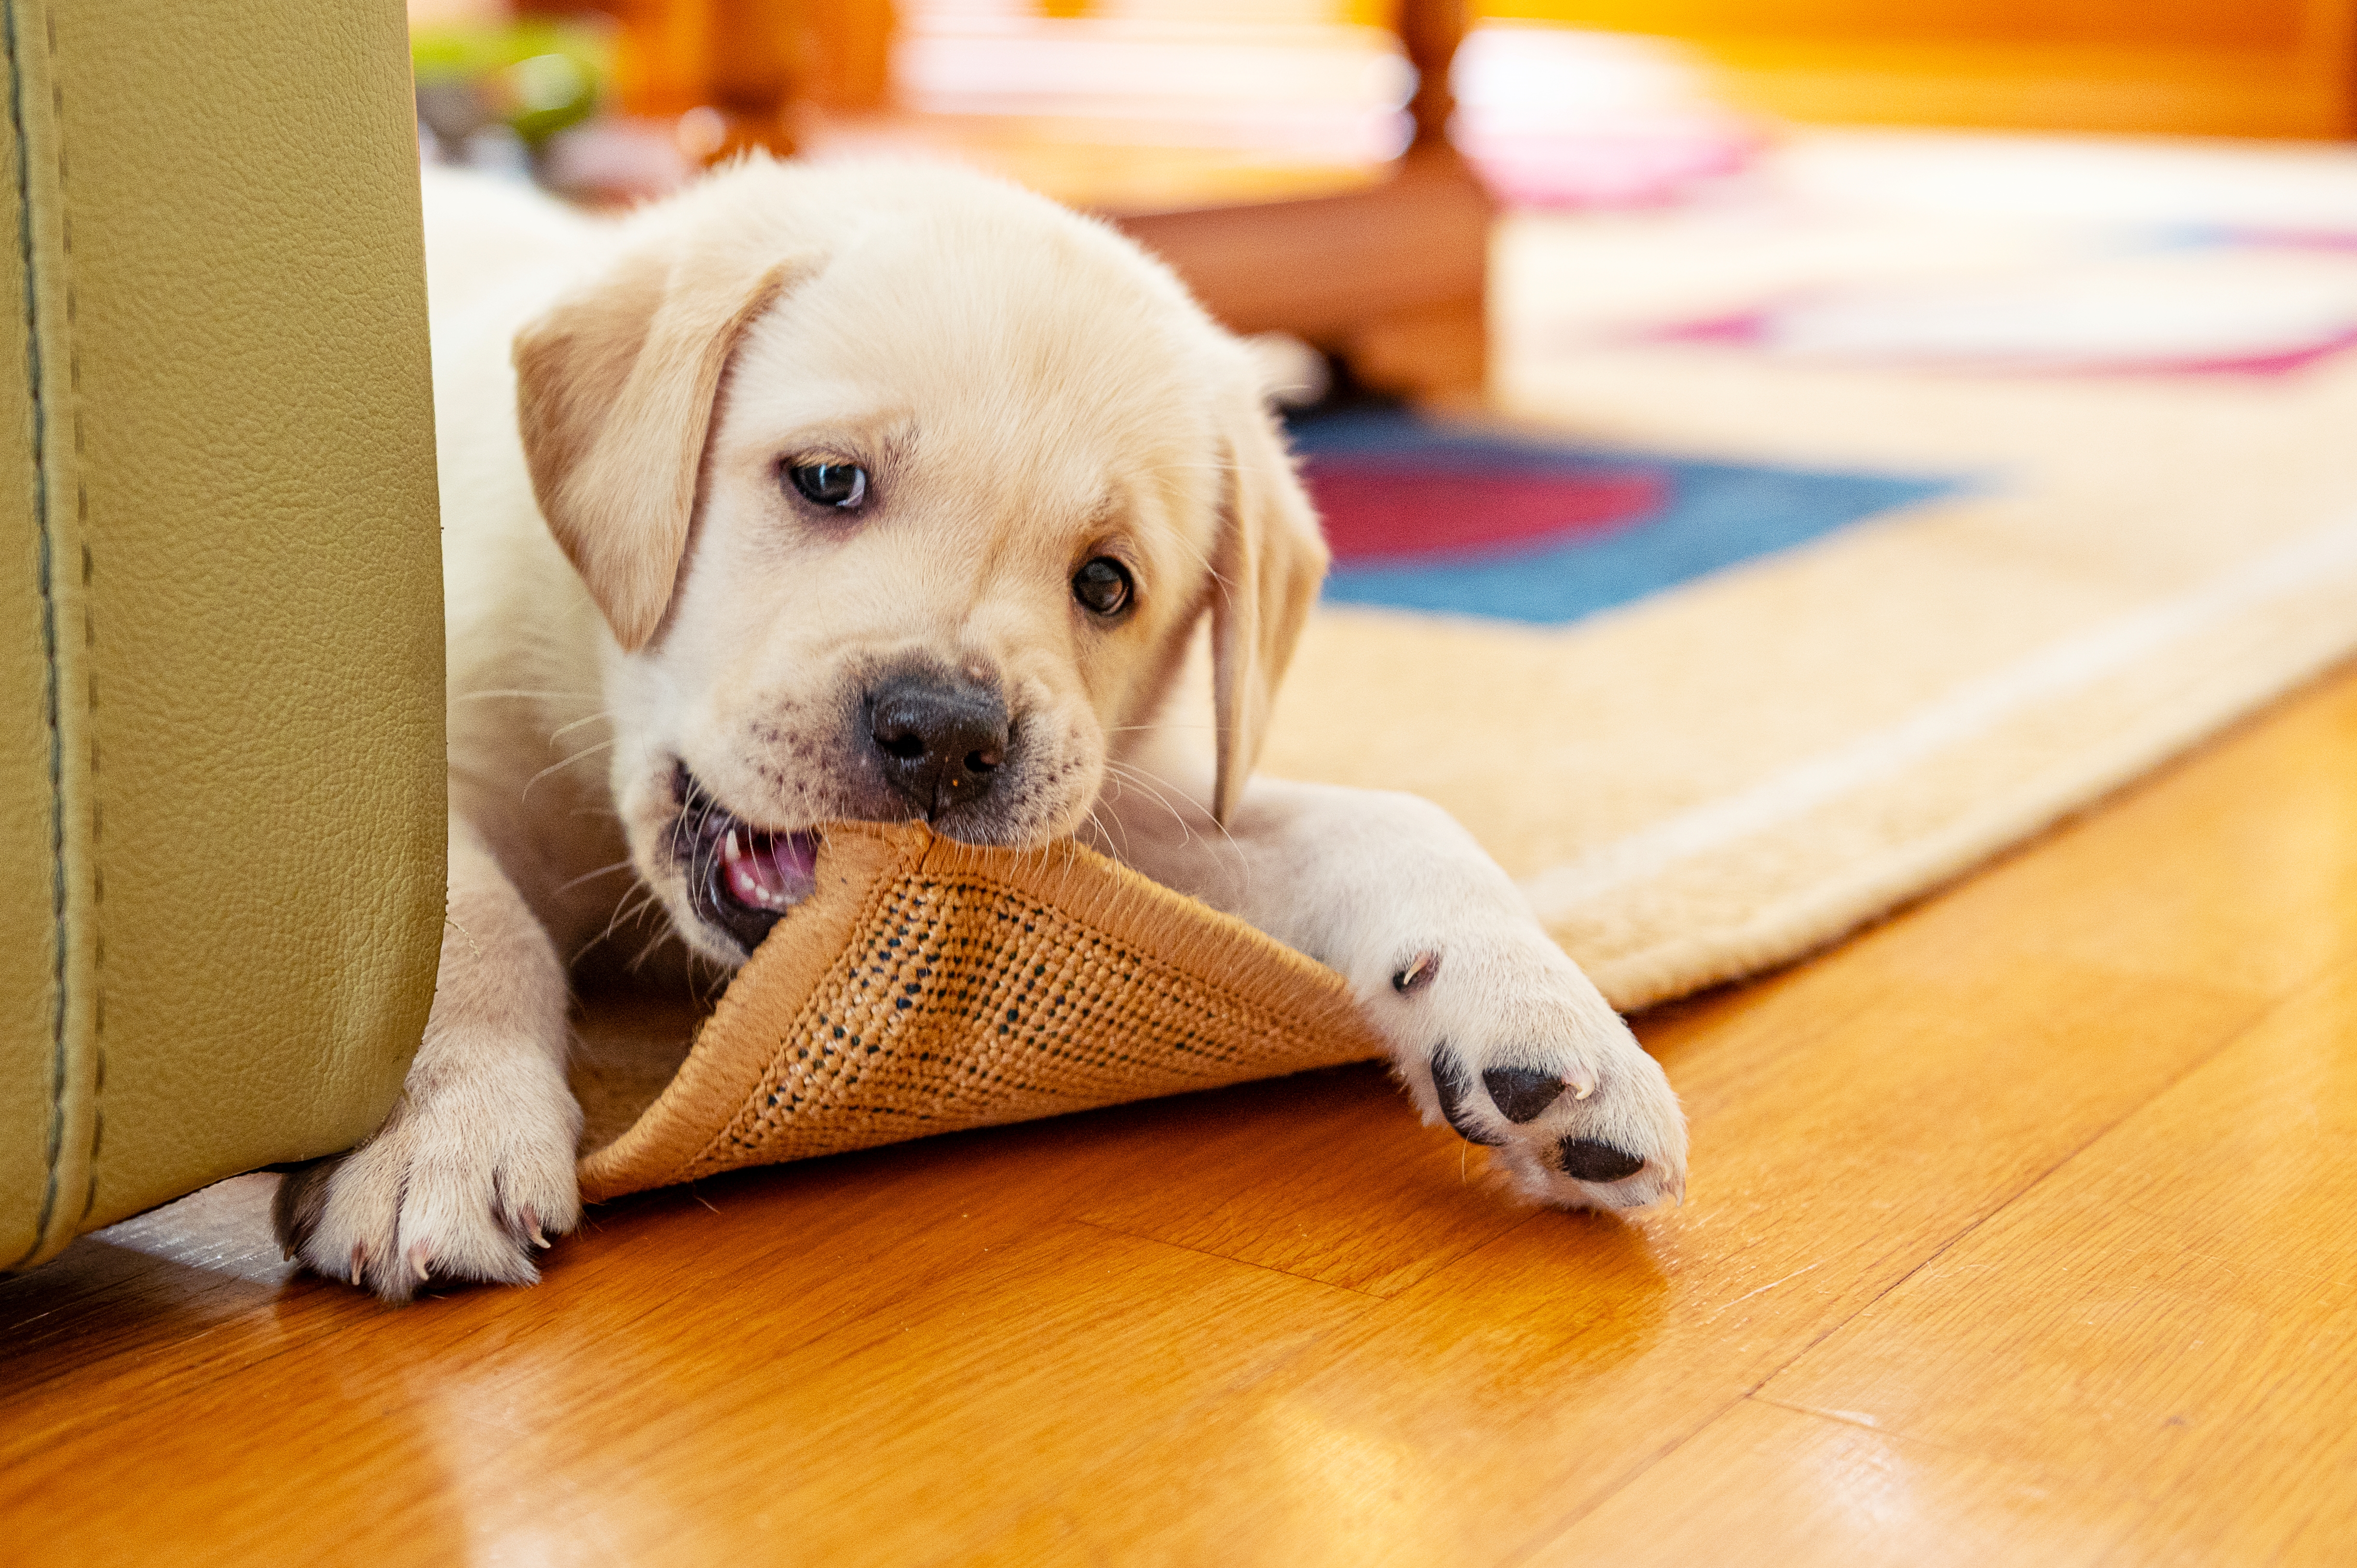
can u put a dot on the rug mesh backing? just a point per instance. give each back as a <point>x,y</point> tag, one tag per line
<point>930,987</point>
<point>966,1002</point>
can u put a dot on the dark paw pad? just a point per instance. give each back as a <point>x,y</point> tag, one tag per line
<point>1585,1159</point>
<point>1453,1084</point>
<point>1520,1094</point>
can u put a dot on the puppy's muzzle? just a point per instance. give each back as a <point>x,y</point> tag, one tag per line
<point>940,741</point>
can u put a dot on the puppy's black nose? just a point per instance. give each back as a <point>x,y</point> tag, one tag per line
<point>939,740</point>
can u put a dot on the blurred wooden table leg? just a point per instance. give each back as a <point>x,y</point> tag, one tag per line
<point>1393,278</point>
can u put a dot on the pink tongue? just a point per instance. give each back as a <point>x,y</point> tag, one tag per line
<point>770,870</point>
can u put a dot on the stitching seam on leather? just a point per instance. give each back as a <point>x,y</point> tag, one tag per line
<point>89,633</point>
<point>45,569</point>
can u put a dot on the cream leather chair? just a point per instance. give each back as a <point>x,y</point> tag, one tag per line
<point>221,791</point>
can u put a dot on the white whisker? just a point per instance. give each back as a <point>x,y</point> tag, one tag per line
<point>561,762</point>
<point>593,875</point>
<point>600,717</point>
<point>490,692</point>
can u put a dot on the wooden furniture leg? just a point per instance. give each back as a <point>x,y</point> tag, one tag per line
<point>1391,278</point>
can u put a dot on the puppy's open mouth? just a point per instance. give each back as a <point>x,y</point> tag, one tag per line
<point>740,878</point>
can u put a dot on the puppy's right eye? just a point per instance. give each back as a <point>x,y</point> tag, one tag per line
<point>841,485</point>
<point>1104,585</point>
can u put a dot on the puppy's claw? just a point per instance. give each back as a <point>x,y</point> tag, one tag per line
<point>359,1262</point>
<point>418,1253</point>
<point>1581,1088</point>
<point>532,1228</point>
<point>1417,974</point>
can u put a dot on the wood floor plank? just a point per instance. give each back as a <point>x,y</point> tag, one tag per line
<point>1032,1361</point>
<point>1326,1175</point>
<point>1767,1485</point>
<point>428,1438</point>
<point>849,1235</point>
<point>1484,1406</point>
<point>2174,1313</point>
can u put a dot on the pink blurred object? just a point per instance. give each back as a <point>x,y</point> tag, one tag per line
<point>1563,119</point>
<point>2164,313</point>
<point>1290,82</point>
<point>618,161</point>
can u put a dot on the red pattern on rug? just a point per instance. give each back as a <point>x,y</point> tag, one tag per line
<point>1379,511</point>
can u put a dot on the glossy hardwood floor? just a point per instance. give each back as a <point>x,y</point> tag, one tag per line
<point>2022,1231</point>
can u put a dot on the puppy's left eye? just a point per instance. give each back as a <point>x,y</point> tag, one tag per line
<point>841,485</point>
<point>1103,585</point>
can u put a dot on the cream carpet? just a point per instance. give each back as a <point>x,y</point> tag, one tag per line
<point>2156,533</point>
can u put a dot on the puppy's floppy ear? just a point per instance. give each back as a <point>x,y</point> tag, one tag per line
<point>615,387</point>
<point>1269,561</point>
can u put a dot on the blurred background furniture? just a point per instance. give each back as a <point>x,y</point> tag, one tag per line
<point>224,803</point>
<point>1375,250</point>
<point>1389,278</point>
<point>2214,67</point>
<point>1310,165</point>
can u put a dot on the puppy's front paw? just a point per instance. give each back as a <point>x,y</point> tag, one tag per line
<point>466,1177</point>
<point>1511,1046</point>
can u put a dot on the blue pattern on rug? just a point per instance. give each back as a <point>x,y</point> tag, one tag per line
<point>1716,515</point>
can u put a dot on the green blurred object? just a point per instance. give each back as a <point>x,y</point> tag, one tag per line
<point>535,78</point>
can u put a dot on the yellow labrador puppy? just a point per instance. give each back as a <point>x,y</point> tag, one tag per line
<point>886,492</point>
